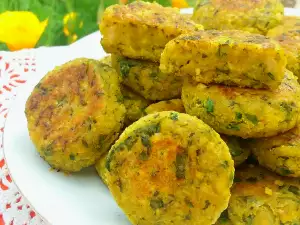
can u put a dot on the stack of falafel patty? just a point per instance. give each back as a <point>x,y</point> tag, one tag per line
<point>238,83</point>
<point>197,104</point>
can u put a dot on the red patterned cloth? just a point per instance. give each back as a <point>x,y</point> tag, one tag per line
<point>15,69</point>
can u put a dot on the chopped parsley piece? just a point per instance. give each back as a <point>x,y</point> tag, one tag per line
<point>72,157</point>
<point>209,106</point>
<point>252,118</point>
<point>174,116</point>
<point>238,116</point>
<point>233,126</point>
<point>294,190</point>
<point>285,171</point>
<point>271,76</point>
<point>156,203</point>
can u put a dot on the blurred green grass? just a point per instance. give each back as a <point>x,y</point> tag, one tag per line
<point>88,11</point>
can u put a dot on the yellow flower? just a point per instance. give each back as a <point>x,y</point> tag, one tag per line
<point>71,24</point>
<point>179,3</point>
<point>20,29</point>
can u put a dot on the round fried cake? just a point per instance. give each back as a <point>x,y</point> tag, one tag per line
<point>280,153</point>
<point>170,168</point>
<point>246,113</point>
<point>73,114</point>
<point>146,79</point>
<point>263,198</point>
<point>256,16</point>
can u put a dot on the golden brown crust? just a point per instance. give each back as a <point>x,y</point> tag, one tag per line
<point>170,168</point>
<point>141,30</point>
<point>255,16</point>
<point>229,57</point>
<point>73,114</point>
<point>245,112</point>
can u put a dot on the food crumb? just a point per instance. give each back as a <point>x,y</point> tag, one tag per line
<point>279,182</point>
<point>268,191</point>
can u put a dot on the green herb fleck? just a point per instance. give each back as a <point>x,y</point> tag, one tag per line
<point>225,71</point>
<point>233,126</point>
<point>238,116</point>
<point>62,101</point>
<point>48,150</point>
<point>222,51</point>
<point>129,142</point>
<point>125,66</point>
<point>111,154</point>
<point>225,164</point>
<point>207,204</point>
<point>294,190</point>
<point>285,171</point>
<point>209,105</point>
<point>156,203</point>
<point>145,140</point>
<point>288,109</point>
<point>271,76</point>
<point>72,157</point>
<point>174,116</point>
<point>180,165</point>
<point>252,118</point>
<point>248,220</point>
<point>144,155</point>
<point>234,146</point>
<point>189,203</point>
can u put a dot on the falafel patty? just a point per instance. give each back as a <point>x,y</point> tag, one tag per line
<point>73,114</point>
<point>170,168</point>
<point>101,169</point>
<point>289,23</point>
<point>261,197</point>
<point>236,148</point>
<point>228,57</point>
<point>145,78</point>
<point>247,113</point>
<point>290,42</point>
<point>140,30</point>
<point>280,153</point>
<point>169,105</point>
<point>135,105</point>
<point>255,16</point>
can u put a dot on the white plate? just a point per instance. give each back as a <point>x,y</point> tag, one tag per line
<point>78,199</point>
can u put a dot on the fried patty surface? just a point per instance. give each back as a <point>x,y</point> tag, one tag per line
<point>73,114</point>
<point>242,112</point>
<point>255,16</point>
<point>263,198</point>
<point>229,57</point>
<point>141,30</point>
<point>135,105</point>
<point>170,168</point>
<point>145,78</point>
<point>280,153</point>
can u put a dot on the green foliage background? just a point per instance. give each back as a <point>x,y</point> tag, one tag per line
<point>88,11</point>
